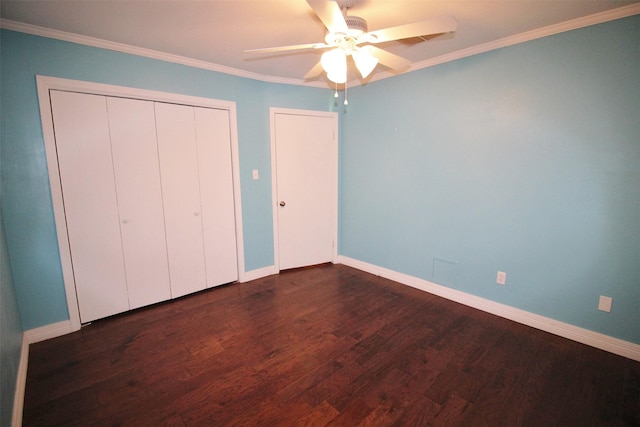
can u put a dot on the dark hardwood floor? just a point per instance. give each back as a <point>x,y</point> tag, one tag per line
<point>327,345</point>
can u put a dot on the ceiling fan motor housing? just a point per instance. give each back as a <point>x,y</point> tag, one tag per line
<point>356,25</point>
<point>356,28</point>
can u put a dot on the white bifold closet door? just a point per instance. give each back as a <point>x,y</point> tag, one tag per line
<point>213,136</point>
<point>148,196</point>
<point>137,175</point>
<point>181,194</point>
<point>195,149</point>
<point>91,205</point>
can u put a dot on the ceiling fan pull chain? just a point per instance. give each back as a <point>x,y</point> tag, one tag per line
<point>335,95</point>
<point>346,102</point>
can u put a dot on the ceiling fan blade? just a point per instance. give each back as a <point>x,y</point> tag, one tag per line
<point>330,14</point>
<point>389,59</point>
<point>314,72</point>
<point>287,48</point>
<point>444,24</point>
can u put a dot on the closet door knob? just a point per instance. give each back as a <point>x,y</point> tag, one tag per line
<point>196,213</point>
<point>282,203</point>
<point>125,221</point>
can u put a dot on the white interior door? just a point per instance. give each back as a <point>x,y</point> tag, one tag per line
<point>137,174</point>
<point>178,155</point>
<point>91,207</point>
<point>305,152</point>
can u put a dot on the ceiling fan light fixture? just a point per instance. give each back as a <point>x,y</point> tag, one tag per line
<point>334,62</point>
<point>339,78</point>
<point>365,61</point>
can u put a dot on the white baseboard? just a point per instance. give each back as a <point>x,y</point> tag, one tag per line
<point>594,339</point>
<point>48,331</point>
<point>259,273</point>
<point>30,337</point>
<point>21,384</point>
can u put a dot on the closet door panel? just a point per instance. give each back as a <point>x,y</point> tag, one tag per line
<point>181,196</point>
<point>216,195</point>
<point>90,202</point>
<point>137,176</point>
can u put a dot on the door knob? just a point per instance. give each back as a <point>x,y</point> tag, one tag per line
<point>282,203</point>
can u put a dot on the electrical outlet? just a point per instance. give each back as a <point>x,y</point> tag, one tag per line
<point>605,303</point>
<point>501,279</point>
<point>256,174</point>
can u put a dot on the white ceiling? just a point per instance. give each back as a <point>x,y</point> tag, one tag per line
<point>217,31</point>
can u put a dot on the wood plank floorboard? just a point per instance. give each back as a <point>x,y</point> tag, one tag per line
<point>323,346</point>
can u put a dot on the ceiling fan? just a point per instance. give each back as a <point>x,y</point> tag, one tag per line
<point>349,36</point>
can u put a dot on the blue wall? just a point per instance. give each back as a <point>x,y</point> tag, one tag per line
<point>524,160</point>
<point>28,211</point>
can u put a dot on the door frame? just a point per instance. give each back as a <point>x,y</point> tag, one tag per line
<point>44,86</point>
<point>273,111</point>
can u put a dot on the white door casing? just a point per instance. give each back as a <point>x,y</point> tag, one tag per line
<point>305,172</point>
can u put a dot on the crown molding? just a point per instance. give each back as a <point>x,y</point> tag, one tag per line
<point>598,18</point>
